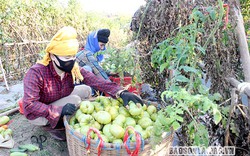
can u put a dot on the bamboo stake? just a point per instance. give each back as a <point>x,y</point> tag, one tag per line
<point>5,80</point>
<point>9,112</point>
<point>25,42</point>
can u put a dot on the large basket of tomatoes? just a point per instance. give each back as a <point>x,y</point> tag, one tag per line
<point>105,127</point>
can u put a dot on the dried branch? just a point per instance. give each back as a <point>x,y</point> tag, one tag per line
<point>231,110</point>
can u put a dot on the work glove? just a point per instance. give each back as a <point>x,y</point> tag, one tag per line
<point>109,73</point>
<point>127,96</point>
<point>68,109</point>
<point>113,74</point>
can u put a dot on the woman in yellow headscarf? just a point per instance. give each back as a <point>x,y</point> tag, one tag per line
<point>64,43</point>
<point>49,90</point>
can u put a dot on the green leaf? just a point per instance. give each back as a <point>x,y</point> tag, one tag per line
<point>172,120</point>
<point>168,109</point>
<point>217,117</point>
<point>162,119</point>
<point>179,111</point>
<point>234,129</point>
<point>225,110</point>
<point>179,118</point>
<point>215,108</point>
<point>191,125</point>
<point>196,139</point>
<point>176,125</point>
<point>188,69</point>
<point>171,67</point>
<point>224,123</point>
<point>157,128</point>
<point>198,15</point>
<point>212,13</point>
<point>171,114</point>
<point>163,66</point>
<point>216,97</point>
<point>181,78</point>
<point>168,120</point>
<point>201,49</point>
<point>206,106</point>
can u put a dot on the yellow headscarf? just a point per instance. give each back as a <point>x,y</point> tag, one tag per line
<point>63,43</point>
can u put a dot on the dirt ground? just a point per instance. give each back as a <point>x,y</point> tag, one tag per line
<point>22,132</point>
<point>10,97</point>
<point>22,129</point>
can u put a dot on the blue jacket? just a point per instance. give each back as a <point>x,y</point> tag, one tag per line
<point>93,46</point>
<point>86,57</point>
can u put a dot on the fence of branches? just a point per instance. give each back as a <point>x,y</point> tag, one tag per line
<point>17,58</point>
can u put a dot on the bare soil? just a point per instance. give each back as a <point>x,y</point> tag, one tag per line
<point>22,132</point>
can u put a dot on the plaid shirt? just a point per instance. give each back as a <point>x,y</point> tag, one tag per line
<point>42,86</point>
<point>86,57</point>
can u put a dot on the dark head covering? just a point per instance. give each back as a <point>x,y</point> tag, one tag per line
<point>103,35</point>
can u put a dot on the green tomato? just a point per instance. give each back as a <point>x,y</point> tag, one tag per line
<point>84,130</point>
<point>72,120</point>
<point>145,122</point>
<point>124,111</point>
<point>78,113</point>
<point>117,131</point>
<point>113,112</point>
<point>134,110</point>
<point>86,120</point>
<point>130,122</point>
<point>103,117</point>
<point>107,133</point>
<point>98,106</point>
<point>96,125</point>
<point>151,109</point>
<point>87,107</point>
<point>120,120</point>
<point>115,102</point>
<point>153,117</point>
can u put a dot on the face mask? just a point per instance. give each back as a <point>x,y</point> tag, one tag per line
<point>65,65</point>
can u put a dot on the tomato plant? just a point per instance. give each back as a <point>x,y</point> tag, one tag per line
<point>182,54</point>
<point>122,60</point>
<point>187,110</point>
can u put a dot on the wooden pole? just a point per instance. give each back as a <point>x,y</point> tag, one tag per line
<point>5,80</point>
<point>244,51</point>
<point>243,46</point>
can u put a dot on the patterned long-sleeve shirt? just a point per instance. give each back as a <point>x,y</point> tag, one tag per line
<point>86,57</point>
<point>42,86</point>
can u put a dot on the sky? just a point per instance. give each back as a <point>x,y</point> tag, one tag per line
<point>113,6</point>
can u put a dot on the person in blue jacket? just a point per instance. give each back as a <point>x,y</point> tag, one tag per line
<point>89,58</point>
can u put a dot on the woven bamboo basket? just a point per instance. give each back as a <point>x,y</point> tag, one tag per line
<point>79,145</point>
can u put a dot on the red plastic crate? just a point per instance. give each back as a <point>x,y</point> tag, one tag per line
<point>135,89</point>
<point>127,81</point>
